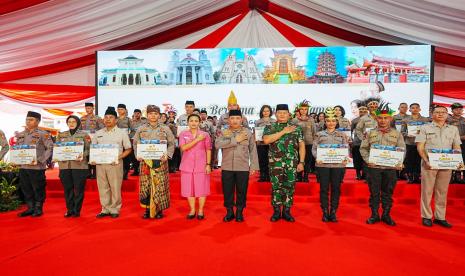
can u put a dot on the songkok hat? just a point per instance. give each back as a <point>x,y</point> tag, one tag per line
<point>89,104</point>
<point>34,115</point>
<point>111,111</point>
<point>152,108</point>
<point>122,106</point>
<point>190,102</point>
<point>282,107</point>
<point>232,98</point>
<point>236,112</point>
<point>203,111</point>
<point>137,110</point>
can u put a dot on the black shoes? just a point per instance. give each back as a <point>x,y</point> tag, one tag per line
<point>26,213</point>
<point>146,214</point>
<point>114,215</point>
<point>189,216</point>
<point>239,215</point>
<point>287,215</point>
<point>386,217</point>
<point>442,223</point>
<point>427,222</point>
<point>69,214</point>
<point>276,214</point>
<point>102,215</point>
<point>159,215</point>
<point>332,216</point>
<point>38,210</point>
<point>374,217</point>
<point>200,216</point>
<point>325,217</point>
<point>229,215</point>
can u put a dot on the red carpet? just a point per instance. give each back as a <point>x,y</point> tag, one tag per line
<point>53,245</point>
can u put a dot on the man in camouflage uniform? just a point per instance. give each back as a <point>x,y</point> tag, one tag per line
<point>287,158</point>
<point>4,147</point>
<point>90,123</point>
<point>457,119</point>
<point>32,176</point>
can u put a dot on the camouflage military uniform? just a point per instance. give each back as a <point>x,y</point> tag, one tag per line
<point>283,161</point>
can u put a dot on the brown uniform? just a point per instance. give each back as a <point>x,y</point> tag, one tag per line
<point>459,122</point>
<point>79,136</point>
<point>309,131</point>
<point>343,122</point>
<point>154,192</point>
<point>4,147</point>
<point>367,122</point>
<point>437,181</point>
<point>91,123</point>
<point>412,158</point>
<point>109,176</point>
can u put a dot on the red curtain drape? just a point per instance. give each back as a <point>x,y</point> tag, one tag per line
<point>46,94</point>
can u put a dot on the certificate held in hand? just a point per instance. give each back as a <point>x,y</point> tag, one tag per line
<point>259,133</point>
<point>386,156</point>
<point>413,128</point>
<point>151,149</point>
<point>68,151</point>
<point>104,153</point>
<point>332,153</point>
<point>23,154</point>
<point>445,159</point>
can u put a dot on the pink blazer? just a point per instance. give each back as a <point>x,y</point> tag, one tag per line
<point>195,158</point>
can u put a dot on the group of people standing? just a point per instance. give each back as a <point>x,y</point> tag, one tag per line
<point>284,155</point>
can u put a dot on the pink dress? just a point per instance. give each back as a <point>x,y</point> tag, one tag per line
<point>195,182</point>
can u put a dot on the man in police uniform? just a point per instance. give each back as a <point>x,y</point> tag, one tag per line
<point>437,135</point>
<point>239,151</point>
<point>208,127</point>
<point>367,122</point>
<point>110,176</point>
<point>223,121</point>
<point>189,107</point>
<point>287,158</point>
<point>402,115</point>
<point>381,180</point>
<point>137,122</point>
<point>358,160</point>
<point>456,119</point>
<point>90,123</point>
<point>4,147</point>
<point>32,177</point>
<point>125,123</point>
<point>308,126</point>
<point>412,158</point>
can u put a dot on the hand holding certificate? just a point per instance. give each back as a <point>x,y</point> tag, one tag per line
<point>151,149</point>
<point>445,159</point>
<point>386,156</point>
<point>68,151</point>
<point>23,155</point>
<point>332,153</point>
<point>104,154</point>
<point>413,128</point>
<point>259,133</point>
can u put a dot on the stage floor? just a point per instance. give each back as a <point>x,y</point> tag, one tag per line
<point>129,245</point>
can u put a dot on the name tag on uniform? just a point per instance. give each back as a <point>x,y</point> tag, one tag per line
<point>386,156</point>
<point>23,154</point>
<point>151,149</point>
<point>445,159</point>
<point>332,153</point>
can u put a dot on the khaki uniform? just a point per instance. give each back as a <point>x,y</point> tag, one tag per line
<point>79,136</point>
<point>135,125</point>
<point>208,127</point>
<point>324,137</point>
<point>32,177</point>
<point>367,122</point>
<point>459,122</point>
<point>398,120</point>
<point>110,177</point>
<point>437,181</point>
<point>343,122</point>
<point>154,191</point>
<point>412,158</point>
<point>91,123</point>
<point>223,122</point>
<point>309,131</point>
<point>182,120</point>
<point>4,147</point>
<point>125,124</point>
<point>381,180</point>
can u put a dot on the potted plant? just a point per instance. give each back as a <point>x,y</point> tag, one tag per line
<point>9,199</point>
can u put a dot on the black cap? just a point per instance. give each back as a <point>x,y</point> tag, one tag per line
<point>189,102</point>
<point>89,104</point>
<point>137,110</point>
<point>282,107</point>
<point>111,111</point>
<point>122,106</point>
<point>34,115</point>
<point>203,111</point>
<point>235,112</point>
<point>456,105</point>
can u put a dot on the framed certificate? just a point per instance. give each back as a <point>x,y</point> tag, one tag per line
<point>346,131</point>
<point>181,129</point>
<point>445,159</point>
<point>386,156</point>
<point>104,153</point>
<point>259,133</point>
<point>23,154</point>
<point>151,149</point>
<point>398,125</point>
<point>332,153</point>
<point>413,128</point>
<point>68,151</point>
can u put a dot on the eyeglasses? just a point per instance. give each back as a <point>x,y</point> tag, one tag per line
<point>439,112</point>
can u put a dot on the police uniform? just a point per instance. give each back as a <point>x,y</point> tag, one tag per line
<point>32,177</point>
<point>381,180</point>
<point>90,123</point>
<point>4,147</point>
<point>73,174</point>
<point>135,125</point>
<point>459,122</point>
<point>412,158</point>
<point>437,181</point>
<point>262,151</point>
<point>283,160</point>
<point>125,124</point>
<point>308,127</point>
<point>235,167</point>
<point>330,175</point>
<point>358,160</point>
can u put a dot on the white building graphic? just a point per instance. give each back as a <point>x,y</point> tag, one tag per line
<point>129,73</point>
<point>189,71</point>
<point>239,71</point>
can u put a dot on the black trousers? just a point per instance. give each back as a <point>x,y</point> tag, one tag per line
<point>235,184</point>
<point>412,160</point>
<point>135,162</point>
<point>127,164</point>
<point>330,180</point>
<point>32,183</point>
<point>358,160</point>
<point>309,160</point>
<point>74,183</point>
<point>381,183</point>
<point>262,152</point>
